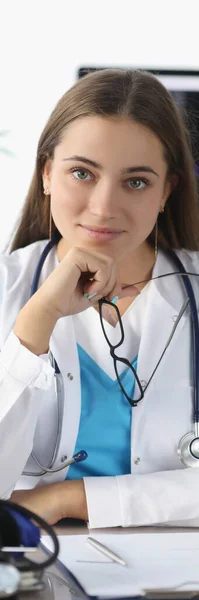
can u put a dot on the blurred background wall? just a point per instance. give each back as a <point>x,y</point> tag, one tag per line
<point>43,43</point>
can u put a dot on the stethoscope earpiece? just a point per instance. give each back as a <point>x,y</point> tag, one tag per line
<point>188,450</point>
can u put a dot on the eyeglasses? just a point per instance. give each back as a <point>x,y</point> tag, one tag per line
<point>118,359</point>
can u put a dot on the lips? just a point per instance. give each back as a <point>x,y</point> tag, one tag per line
<point>100,234</point>
<point>101,229</point>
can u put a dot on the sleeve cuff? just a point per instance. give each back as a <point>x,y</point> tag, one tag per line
<point>17,361</point>
<point>103,502</point>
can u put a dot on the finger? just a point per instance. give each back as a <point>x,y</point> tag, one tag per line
<point>94,289</point>
<point>113,288</point>
<point>93,299</point>
<point>114,294</point>
<point>104,285</point>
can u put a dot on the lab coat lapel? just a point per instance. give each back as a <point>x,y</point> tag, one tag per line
<point>166,297</point>
<point>64,349</point>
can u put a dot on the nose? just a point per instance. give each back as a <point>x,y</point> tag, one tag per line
<point>103,200</point>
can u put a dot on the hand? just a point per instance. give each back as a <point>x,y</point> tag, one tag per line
<point>62,294</point>
<point>55,501</point>
<point>79,272</point>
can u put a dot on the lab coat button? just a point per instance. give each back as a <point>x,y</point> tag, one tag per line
<point>70,376</point>
<point>63,458</point>
<point>137,460</point>
<point>174,318</point>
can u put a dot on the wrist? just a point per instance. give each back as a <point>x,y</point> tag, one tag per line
<point>73,500</point>
<point>34,325</point>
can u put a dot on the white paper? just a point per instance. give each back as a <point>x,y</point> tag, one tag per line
<point>154,561</point>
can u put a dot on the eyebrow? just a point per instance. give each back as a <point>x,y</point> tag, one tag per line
<point>92,163</point>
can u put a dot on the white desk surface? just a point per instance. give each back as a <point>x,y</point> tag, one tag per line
<point>70,527</point>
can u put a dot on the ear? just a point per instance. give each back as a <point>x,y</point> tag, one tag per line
<point>170,184</point>
<point>174,179</point>
<point>46,175</point>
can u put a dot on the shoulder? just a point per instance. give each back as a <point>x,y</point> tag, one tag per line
<point>20,262</point>
<point>16,273</point>
<point>23,255</point>
<point>189,258</point>
<point>190,261</point>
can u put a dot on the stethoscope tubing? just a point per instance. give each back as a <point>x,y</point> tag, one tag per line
<point>195,335</point>
<point>195,342</point>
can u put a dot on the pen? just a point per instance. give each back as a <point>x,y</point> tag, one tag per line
<point>104,550</point>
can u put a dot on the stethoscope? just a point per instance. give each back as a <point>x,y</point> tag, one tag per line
<point>82,454</point>
<point>188,447</point>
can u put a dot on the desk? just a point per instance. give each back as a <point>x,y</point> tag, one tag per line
<point>54,580</point>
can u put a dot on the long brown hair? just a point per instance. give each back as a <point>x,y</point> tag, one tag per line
<point>140,96</point>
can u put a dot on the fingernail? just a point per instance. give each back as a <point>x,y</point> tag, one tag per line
<point>86,295</point>
<point>92,296</point>
<point>115,299</point>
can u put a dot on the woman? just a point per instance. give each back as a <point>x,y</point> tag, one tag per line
<point>115,190</point>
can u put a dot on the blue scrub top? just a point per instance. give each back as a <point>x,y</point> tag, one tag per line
<point>105,421</point>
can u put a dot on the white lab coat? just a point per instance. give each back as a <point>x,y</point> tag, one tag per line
<point>159,489</point>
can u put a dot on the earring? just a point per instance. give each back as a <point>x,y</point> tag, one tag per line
<point>46,191</point>
<point>50,225</point>
<point>156,239</point>
<point>156,233</point>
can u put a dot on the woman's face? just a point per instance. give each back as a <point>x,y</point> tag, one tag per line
<point>107,185</point>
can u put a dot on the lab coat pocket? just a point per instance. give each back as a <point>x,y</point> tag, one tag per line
<point>166,416</point>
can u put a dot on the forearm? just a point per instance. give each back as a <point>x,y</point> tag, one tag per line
<point>132,500</point>
<point>55,501</point>
<point>34,325</point>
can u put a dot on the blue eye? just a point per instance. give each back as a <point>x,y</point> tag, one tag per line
<point>134,183</point>
<point>81,174</point>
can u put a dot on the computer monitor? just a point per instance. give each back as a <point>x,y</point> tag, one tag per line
<point>184,87</point>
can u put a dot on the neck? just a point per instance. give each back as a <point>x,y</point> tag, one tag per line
<point>137,266</point>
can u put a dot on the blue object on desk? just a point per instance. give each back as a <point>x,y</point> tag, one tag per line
<point>28,534</point>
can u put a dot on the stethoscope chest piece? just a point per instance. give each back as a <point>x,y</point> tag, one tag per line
<point>188,450</point>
